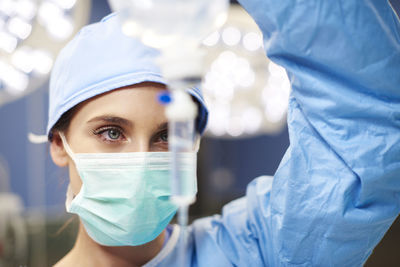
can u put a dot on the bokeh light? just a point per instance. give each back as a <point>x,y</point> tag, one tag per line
<point>247,94</point>
<point>31,33</point>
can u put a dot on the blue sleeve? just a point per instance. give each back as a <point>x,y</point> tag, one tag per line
<point>337,189</point>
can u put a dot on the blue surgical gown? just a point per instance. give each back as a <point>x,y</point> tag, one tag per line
<point>337,189</point>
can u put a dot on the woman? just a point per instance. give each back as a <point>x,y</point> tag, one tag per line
<point>99,115</point>
<point>336,190</point>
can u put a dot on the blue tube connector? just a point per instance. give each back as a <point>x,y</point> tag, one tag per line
<point>164,97</point>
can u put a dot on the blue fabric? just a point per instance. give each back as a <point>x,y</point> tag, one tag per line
<point>100,58</point>
<point>167,235</point>
<point>337,189</point>
<point>396,6</point>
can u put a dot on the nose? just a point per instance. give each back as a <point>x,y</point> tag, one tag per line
<point>142,144</point>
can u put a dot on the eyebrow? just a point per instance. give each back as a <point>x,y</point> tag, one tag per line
<point>162,126</point>
<point>112,119</point>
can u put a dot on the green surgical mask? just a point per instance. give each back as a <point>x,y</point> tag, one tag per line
<point>124,198</point>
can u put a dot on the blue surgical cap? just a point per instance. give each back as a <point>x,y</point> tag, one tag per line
<point>100,58</point>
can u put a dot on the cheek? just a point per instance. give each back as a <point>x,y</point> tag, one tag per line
<point>75,180</point>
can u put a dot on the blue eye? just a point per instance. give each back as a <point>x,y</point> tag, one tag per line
<point>164,136</point>
<point>160,141</point>
<point>113,134</point>
<point>110,134</point>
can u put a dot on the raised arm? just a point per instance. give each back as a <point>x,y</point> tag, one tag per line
<point>337,190</point>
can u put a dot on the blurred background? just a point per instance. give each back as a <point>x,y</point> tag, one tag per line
<point>246,136</point>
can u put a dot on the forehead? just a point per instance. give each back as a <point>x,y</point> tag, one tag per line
<point>136,103</point>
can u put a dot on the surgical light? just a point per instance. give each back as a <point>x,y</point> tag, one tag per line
<point>252,41</point>
<point>31,33</point>
<point>22,60</point>
<point>2,23</point>
<point>44,61</point>
<point>252,119</point>
<point>19,27</point>
<point>231,36</point>
<point>212,39</point>
<point>55,16</point>
<point>16,81</point>
<point>8,43</point>
<point>26,9</point>
<point>7,7</point>
<point>247,94</point>
<point>66,4</point>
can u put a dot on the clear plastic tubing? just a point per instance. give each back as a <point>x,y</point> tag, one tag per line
<point>181,113</point>
<point>180,136</point>
<point>181,140</point>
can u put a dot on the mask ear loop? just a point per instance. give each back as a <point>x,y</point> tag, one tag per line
<point>69,197</point>
<point>66,146</point>
<point>197,143</point>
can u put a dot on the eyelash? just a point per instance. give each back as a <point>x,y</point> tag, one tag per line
<point>106,129</point>
<point>160,134</point>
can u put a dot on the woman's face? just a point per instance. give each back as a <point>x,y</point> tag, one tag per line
<point>124,120</point>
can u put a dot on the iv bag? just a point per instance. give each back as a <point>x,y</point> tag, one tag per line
<point>163,23</point>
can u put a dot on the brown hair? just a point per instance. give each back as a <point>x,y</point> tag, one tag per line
<point>63,122</point>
